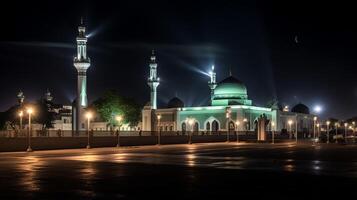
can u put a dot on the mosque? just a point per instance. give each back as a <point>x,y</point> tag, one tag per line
<point>230,109</point>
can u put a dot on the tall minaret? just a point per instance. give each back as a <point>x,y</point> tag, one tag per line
<point>82,63</point>
<point>153,81</point>
<point>212,84</point>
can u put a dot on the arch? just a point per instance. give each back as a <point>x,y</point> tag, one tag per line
<point>231,126</point>
<point>210,120</point>
<point>215,126</point>
<point>183,128</point>
<point>208,126</point>
<point>196,127</point>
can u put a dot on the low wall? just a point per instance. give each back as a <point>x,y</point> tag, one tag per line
<point>47,143</point>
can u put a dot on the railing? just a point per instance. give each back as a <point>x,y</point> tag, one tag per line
<point>95,133</point>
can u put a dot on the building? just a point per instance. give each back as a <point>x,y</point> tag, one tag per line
<point>230,109</point>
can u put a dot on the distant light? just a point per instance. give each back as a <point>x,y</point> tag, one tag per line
<point>286,109</point>
<point>317,109</point>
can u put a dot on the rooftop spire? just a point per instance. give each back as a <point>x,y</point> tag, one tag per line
<point>230,71</point>
<point>153,57</point>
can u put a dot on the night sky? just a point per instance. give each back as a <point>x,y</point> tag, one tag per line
<point>255,39</point>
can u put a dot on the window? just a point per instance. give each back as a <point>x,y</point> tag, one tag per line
<point>83,125</point>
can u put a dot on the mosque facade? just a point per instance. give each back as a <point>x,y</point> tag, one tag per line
<point>230,109</point>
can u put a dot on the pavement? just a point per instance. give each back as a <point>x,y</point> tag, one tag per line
<point>215,170</point>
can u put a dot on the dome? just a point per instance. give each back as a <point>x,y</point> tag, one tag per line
<point>230,91</point>
<point>300,108</point>
<point>230,88</point>
<point>175,103</point>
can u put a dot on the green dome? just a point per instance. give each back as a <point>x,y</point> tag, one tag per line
<point>230,88</point>
<point>230,91</point>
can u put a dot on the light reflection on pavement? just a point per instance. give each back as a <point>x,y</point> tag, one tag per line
<point>84,170</point>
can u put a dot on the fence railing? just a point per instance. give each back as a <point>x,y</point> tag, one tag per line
<point>95,133</point>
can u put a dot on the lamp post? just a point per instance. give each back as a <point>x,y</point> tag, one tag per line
<point>290,122</point>
<point>318,129</point>
<point>21,114</point>
<point>328,131</point>
<point>228,117</point>
<point>119,118</point>
<point>336,127</point>
<point>158,129</point>
<point>272,131</point>
<point>345,124</point>
<point>88,116</point>
<point>353,131</point>
<point>190,122</point>
<point>315,118</point>
<point>29,111</point>
<point>237,125</point>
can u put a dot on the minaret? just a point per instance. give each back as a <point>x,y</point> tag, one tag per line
<point>212,84</point>
<point>153,81</point>
<point>81,63</point>
<point>48,97</point>
<point>20,97</point>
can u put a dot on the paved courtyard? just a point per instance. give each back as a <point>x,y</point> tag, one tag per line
<point>182,171</point>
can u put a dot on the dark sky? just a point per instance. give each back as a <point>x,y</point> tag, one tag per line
<point>253,38</point>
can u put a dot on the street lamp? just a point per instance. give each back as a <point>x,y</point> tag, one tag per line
<point>21,114</point>
<point>318,129</point>
<point>345,124</point>
<point>190,123</point>
<point>315,118</point>
<point>328,131</point>
<point>272,131</point>
<point>237,125</point>
<point>228,117</point>
<point>29,111</point>
<point>158,129</point>
<point>353,129</point>
<point>88,116</point>
<point>119,118</point>
<point>336,126</point>
<point>290,122</point>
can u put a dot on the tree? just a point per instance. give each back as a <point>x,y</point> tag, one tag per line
<point>42,115</point>
<point>111,105</point>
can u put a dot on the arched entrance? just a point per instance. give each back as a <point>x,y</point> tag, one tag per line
<point>183,128</point>
<point>215,126</point>
<point>208,128</point>
<point>231,127</point>
<point>195,128</point>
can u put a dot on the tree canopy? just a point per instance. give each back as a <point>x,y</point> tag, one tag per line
<point>112,104</point>
<point>42,115</point>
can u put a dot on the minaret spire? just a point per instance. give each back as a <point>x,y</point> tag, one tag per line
<point>81,63</point>
<point>212,84</point>
<point>153,80</point>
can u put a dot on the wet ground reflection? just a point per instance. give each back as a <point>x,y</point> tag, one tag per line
<point>96,173</point>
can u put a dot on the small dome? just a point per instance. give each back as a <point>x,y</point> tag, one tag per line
<point>230,88</point>
<point>175,103</point>
<point>300,108</point>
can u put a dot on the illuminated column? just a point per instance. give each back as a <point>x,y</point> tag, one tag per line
<point>212,83</point>
<point>153,81</point>
<point>82,63</point>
